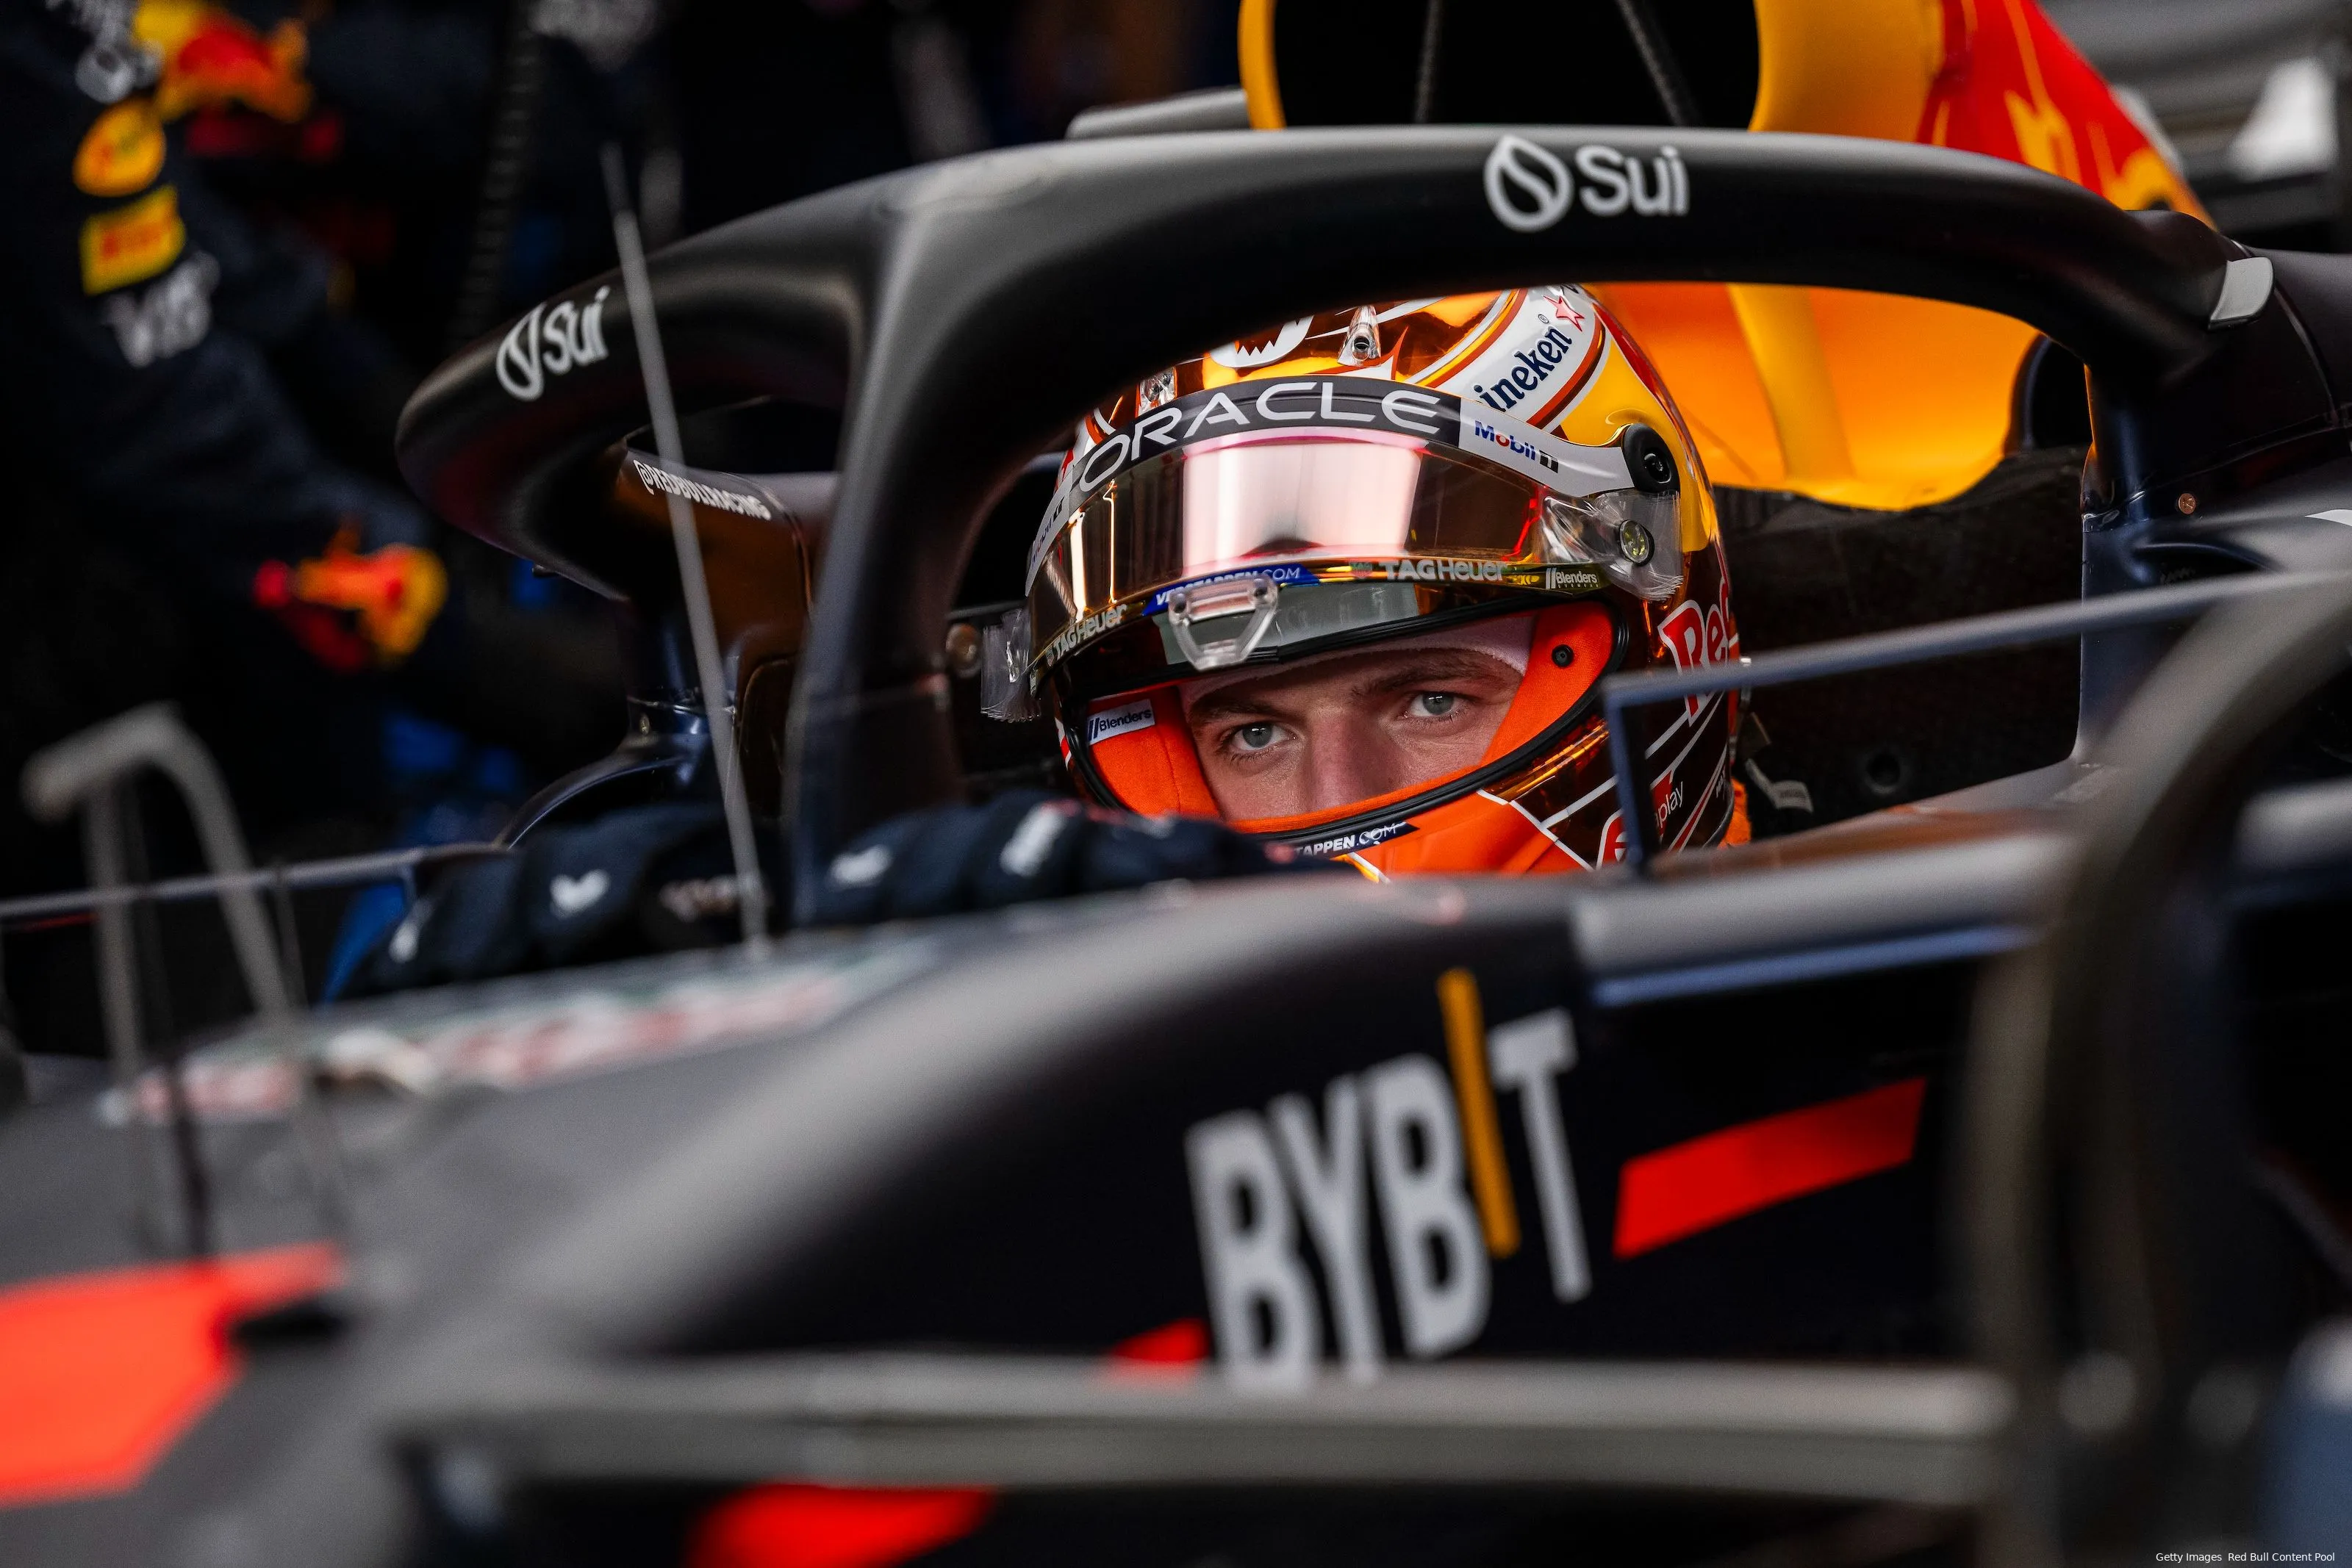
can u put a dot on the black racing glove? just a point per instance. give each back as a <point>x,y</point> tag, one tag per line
<point>660,878</point>
<point>1024,845</point>
<point>650,879</point>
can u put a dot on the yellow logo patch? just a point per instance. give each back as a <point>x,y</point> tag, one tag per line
<point>123,152</point>
<point>132,244</point>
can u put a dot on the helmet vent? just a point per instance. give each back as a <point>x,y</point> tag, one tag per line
<point>1191,610</point>
<point>1361,346</point>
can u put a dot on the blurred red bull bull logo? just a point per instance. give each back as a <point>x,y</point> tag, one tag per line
<point>211,58</point>
<point>352,610</point>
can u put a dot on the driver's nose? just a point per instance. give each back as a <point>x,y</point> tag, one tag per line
<point>1349,758</point>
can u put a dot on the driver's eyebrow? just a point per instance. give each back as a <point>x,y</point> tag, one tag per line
<point>1438,666</point>
<point>1426,667</point>
<point>1230,702</point>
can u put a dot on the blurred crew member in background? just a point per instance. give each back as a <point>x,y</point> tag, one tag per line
<point>202,506</point>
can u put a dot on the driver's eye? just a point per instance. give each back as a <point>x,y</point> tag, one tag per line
<point>1254,737</point>
<point>1435,705</point>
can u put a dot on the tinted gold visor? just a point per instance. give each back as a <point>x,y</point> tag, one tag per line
<point>1289,509</point>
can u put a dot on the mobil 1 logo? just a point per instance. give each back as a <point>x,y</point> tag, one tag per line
<point>1393,1176</point>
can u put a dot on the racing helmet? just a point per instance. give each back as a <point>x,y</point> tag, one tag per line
<point>1351,585</point>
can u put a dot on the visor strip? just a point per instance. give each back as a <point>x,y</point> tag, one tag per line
<point>1342,407</point>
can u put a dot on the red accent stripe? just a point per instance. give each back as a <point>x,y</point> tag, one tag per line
<point>101,1373</point>
<point>1184,1343</point>
<point>1172,1353</point>
<point>1498,319</point>
<point>790,1526</point>
<point>1697,1185</point>
<point>1576,383</point>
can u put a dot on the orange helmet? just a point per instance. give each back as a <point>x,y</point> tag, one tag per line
<point>1351,585</point>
